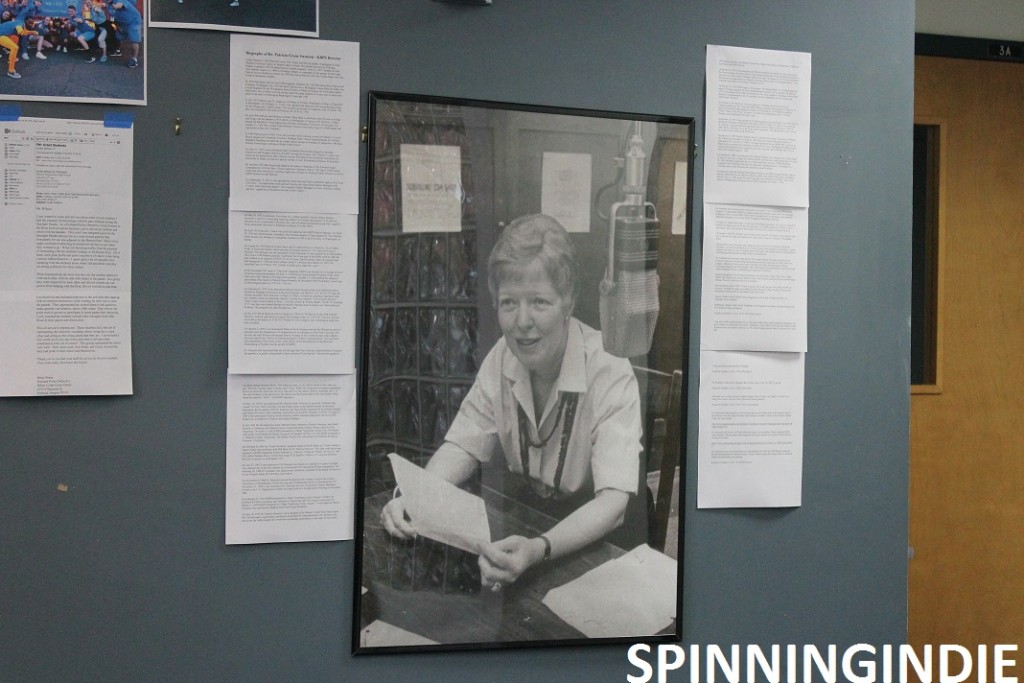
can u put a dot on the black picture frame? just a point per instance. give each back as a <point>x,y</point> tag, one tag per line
<point>444,177</point>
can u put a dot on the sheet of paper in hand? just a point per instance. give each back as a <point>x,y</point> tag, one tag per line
<point>440,510</point>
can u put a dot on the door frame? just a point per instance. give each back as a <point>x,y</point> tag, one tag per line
<point>959,47</point>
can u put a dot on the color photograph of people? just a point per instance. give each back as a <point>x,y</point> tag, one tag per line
<point>73,50</point>
<point>295,17</point>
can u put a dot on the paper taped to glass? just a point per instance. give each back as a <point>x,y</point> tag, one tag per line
<point>440,510</point>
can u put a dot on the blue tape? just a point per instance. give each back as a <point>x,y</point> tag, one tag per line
<point>118,119</point>
<point>10,112</point>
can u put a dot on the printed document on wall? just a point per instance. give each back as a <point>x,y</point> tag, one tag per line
<point>754,279</point>
<point>65,258</point>
<point>291,292</point>
<point>758,126</point>
<point>750,444</point>
<point>290,458</point>
<point>294,125</point>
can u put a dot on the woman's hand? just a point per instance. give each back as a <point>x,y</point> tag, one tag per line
<point>503,562</point>
<point>396,521</point>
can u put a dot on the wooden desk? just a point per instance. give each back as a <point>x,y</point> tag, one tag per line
<point>446,606</point>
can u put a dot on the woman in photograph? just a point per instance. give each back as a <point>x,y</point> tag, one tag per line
<point>96,11</point>
<point>91,27</point>
<point>42,29</point>
<point>565,413</point>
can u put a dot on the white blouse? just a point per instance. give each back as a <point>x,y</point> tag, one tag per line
<point>604,446</point>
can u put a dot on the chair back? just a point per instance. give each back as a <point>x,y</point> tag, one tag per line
<point>661,405</point>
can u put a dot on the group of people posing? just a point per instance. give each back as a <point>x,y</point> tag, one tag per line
<point>100,30</point>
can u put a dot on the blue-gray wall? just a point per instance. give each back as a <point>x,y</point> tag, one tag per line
<point>125,577</point>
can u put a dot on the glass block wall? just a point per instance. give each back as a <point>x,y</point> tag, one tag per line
<point>423,347</point>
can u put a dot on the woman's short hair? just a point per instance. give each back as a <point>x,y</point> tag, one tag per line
<point>536,236</point>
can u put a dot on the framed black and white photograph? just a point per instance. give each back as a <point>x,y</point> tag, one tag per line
<point>523,377</point>
<point>292,18</point>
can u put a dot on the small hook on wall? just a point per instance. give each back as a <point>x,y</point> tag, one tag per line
<point>177,125</point>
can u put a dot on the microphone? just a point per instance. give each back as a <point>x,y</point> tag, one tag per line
<point>629,290</point>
